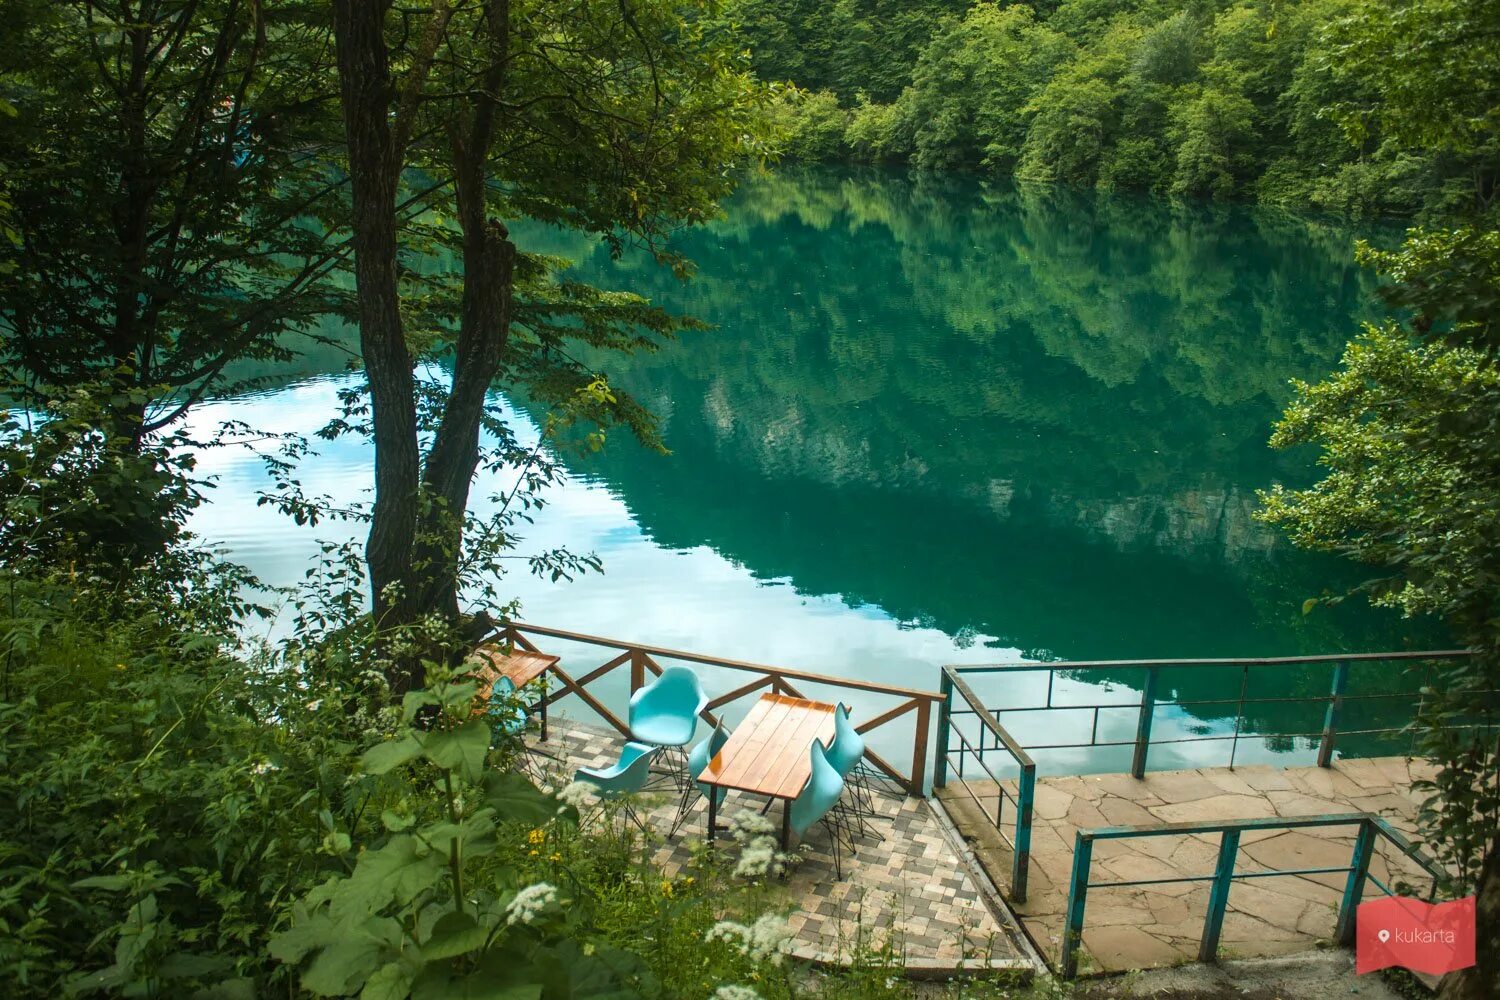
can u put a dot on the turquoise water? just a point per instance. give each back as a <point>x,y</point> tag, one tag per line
<point>935,423</point>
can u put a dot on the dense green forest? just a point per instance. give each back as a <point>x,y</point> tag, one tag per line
<point>1256,99</point>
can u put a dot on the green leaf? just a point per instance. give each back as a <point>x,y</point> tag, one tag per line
<point>454,934</point>
<point>1308,605</point>
<point>396,872</point>
<point>229,989</point>
<point>414,701</point>
<point>383,757</point>
<point>462,749</point>
<point>390,982</point>
<point>515,799</point>
<point>394,822</point>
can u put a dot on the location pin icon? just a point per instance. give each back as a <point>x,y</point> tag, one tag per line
<point>1384,935</point>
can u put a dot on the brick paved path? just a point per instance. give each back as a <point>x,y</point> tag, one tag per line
<point>911,888</point>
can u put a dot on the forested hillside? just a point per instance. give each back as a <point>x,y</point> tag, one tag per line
<point>1273,100</point>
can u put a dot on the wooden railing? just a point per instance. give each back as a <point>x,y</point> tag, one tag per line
<point>642,659</point>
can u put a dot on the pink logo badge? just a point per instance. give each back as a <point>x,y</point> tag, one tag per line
<point>1415,935</point>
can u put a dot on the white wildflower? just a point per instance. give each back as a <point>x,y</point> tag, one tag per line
<point>758,854</point>
<point>578,794</point>
<point>770,937</point>
<point>757,859</point>
<point>530,902</point>
<point>749,824</point>
<point>734,992</point>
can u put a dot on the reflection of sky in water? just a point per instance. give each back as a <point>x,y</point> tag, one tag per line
<point>692,599</point>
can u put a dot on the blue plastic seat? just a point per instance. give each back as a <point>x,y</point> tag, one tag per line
<point>818,796</point>
<point>698,759</point>
<point>848,747</point>
<point>846,755</point>
<point>508,718</point>
<point>623,778</point>
<point>665,712</point>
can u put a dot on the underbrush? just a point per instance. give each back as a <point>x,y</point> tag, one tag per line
<point>181,817</point>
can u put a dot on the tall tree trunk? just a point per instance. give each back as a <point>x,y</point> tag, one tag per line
<point>375,172</point>
<point>484,328</point>
<point>1482,982</point>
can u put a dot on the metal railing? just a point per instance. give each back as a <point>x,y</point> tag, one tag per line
<point>1225,874</point>
<point>1025,795</point>
<point>642,659</point>
<point>1335,704</point>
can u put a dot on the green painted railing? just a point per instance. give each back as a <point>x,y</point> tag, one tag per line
<point>1369,829</point>
<point>1151,673</point>
<point>955,750</point>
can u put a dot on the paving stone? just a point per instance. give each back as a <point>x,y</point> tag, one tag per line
<point>1264,777</point>
<point>1180,786</point>
<point>1114,948</point>
<point>1215,808</point>
<point>1123,812</point>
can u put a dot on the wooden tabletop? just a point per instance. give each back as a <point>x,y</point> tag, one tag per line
<point>770,752</point>
<point>522,667</point>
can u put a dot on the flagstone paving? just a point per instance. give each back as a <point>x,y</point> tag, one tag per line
<point>1159,925</point>
<point>910,889</point>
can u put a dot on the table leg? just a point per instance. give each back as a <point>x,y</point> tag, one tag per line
<point>544,716</point>
<point>786,825</point>
<point>713,815</point>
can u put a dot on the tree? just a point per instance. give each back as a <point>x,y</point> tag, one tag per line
<point>167,200</point>
<point>620,119</point>
<point>1411,438</point>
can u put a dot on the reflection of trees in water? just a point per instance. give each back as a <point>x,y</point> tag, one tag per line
<point>1115,361</point>
<point>1032,414</point>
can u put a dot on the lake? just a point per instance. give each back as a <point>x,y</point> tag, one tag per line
<point>936,422</point>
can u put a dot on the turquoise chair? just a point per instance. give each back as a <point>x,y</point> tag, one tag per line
<point>816,802</point>
<point>624,778</point>
<point>847,754</point>
<point>698,759</point>
<point>508,718</point>
<point>665,712</point>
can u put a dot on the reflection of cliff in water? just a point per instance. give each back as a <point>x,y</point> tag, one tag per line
<point>1033,414</point>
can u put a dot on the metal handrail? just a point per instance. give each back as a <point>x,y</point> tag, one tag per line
<point>1020,843</point>
<point>1335,701</point>
<point>1224,875</point>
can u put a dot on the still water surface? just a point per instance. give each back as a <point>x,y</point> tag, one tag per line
<point>935,423</point>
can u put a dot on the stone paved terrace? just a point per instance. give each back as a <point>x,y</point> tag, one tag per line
<point>1160,925</point>
<point>913,883</point>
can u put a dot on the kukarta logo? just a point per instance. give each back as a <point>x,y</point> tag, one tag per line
<point>1415,935</point>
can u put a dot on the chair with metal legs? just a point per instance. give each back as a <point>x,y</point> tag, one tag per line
<point>508,720</point>
<point>697,760</point>
<point>665,714</point>
<point>847,754</point>
<point>818,801</point>
<point>623,779</point>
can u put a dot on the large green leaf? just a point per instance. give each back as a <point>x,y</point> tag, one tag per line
<point>383,757</point>
<point>396,872</point>
<point>454,934</point>
<point>515,799</point>
<point>391,981</point>
<point>462,749</point>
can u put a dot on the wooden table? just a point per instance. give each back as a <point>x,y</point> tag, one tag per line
<point>521,666</point>
<point>770,753</point>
